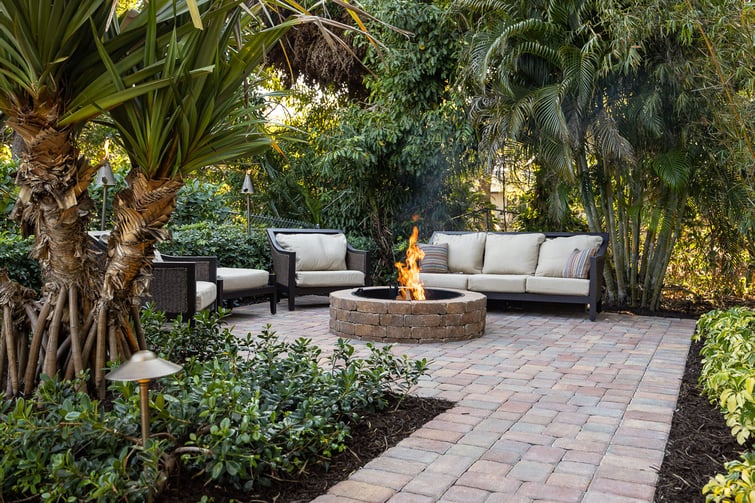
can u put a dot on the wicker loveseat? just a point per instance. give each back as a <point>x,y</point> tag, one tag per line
<point>315,262</point>
<point>557,267</point>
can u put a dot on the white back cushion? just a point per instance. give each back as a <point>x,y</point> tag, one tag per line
<point>465,251</point>
<point>554,253</point>
<point>512,253</point>
<point>316,252</point>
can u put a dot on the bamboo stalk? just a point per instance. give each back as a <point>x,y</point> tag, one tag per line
<point>2,354</point>
<point>32,315</point>
<point>89,342</point>
<point>36,344</point>
<point>128,334</point>
<point>73,310</point>
<point>51,356</point>
<point>112,342</point>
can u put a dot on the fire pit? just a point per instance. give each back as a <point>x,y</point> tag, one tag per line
<point>375,314</point>
<point>410,312</point>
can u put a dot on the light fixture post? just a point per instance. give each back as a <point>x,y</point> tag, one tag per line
<point>143,367</point>
<point>248,189</point>
<point>107,179</point>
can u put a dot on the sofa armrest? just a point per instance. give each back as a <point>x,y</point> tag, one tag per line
<point>284,262</point>
<point>359,260</point>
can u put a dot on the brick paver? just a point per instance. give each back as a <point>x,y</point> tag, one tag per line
<point>549,407</point>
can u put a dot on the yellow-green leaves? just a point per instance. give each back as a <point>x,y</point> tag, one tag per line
<point>728,377</point>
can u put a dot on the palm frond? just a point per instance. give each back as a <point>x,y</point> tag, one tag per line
<point>673,168</point>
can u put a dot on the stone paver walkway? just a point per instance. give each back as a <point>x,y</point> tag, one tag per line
<point>549,407</point>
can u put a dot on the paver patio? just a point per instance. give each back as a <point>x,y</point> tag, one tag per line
<point>549,407</point>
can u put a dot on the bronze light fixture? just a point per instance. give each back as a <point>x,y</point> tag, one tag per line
<point>143,367</point>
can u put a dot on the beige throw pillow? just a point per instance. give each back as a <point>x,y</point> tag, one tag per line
<point>316,252</point>
<point>465,251</point>
<point>512,253</point>
<point>555,252</point>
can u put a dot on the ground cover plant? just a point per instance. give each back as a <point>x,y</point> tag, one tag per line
<point>703,459</point>
<point>247,412</point>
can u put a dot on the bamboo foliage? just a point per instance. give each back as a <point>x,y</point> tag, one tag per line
<point>567,82</point>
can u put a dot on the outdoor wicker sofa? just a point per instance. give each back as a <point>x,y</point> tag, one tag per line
<point>315,262</point>
<point>558,267</point>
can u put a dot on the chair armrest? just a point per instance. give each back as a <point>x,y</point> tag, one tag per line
<point>206,268</point>
<point>173,288</point>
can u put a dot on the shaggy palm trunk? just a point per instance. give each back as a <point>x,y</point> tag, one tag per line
<point>140,214</point>
<point>52,205</point>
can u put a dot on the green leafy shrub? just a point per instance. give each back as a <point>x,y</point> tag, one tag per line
<point>201,201</point>
<point>8,190</point>
<point>728,366</point>
<point>737,485</point>
<point>228,242</point>
<point>727,377</point>
<point>251,409</point>
<point>60,445</point>
<point>14,257</point>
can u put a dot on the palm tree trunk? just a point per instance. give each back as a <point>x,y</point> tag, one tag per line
<point>53,205</point>
<point>140,213</point>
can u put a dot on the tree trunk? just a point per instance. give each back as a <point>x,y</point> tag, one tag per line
<point>140,213</point>
<point>53,205</point>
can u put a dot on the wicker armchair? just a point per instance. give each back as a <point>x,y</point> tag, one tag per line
<point>303,276</point>
<point>183,285</point>
<point>179,286</point>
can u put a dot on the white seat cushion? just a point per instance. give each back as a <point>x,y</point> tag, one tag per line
<point>557,286</point>
<point>465,251</point>
<point>236,279</point>
<point>512,253</point>
<point>207,292</point>
<point>555,252</point>
<point>329,278</point>
<point>316,252</point>
<point>440,280</point>
<point>508,283</point>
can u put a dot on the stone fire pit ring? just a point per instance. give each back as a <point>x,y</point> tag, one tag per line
<point>407,321</point>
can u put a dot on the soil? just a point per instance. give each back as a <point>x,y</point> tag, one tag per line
<point>698,446</point>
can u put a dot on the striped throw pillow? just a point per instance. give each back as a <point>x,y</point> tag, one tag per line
<point>578,263</point>
<point>435,259</point>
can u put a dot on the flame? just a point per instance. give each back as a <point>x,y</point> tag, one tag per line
<point>408,274</point>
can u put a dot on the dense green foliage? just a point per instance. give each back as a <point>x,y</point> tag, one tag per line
<point>368,167</point>
<point>247,410</point>
<point>15,259</point>
<point>601,103</point>
<point>728,379</point>
<point>229,242</point>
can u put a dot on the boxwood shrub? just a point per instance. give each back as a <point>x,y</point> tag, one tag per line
<point>241,412</point>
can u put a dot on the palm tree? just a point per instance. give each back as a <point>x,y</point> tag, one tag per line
<point>51,82</point>
<point>175,79</point>
<point>172,132</point>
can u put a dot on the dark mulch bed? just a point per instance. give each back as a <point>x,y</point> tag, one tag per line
<point>371,437</point>
<point>699,444</point>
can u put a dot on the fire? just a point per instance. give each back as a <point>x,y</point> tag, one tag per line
<point>408,274</point>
